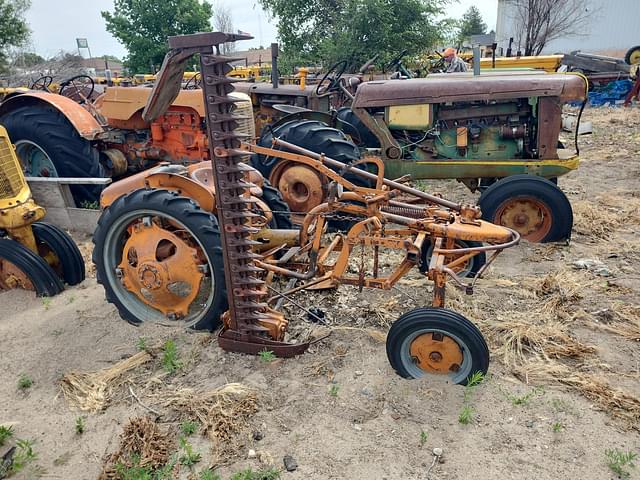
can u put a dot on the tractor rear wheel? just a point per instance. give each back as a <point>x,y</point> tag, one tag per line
<point>467,269</point>
<point>159,258</point>
<point>49,146</point>
<point>60,251</point>
<point>301,186</point>
<point>437,341</point>
<point>533,206</point>
<point>21,268</point>
<point>279,208</point>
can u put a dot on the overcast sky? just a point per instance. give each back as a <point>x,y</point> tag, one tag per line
<point>56,24</point>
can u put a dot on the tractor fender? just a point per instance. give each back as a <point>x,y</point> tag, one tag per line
<point>166,177</point>
<point>84,123</point>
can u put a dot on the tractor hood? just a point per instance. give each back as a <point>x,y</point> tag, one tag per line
<point>465,88</point>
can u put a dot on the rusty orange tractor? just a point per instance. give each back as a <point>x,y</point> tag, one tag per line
<point>162,254</point>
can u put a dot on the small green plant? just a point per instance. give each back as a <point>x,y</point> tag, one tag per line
<point>189,457</point>
<point>170,360</point>
<point>141,344</point>
<point>138,472</point>
<point>22,457</point>
<point>466,414</point>
<point>189,427</point>
<point>522,400</point>
<point>25,382</point>
<point>617,460</point>
<point>90,205</point>
<point>5,434</point>
<point>267,356</point>
<point>424,436</point>
<point>46,302</point>
<point>80,425</point>
<point>71,299</point>
<point>333,391</point>
<point>262,474</point>
<point>557,427</point>
<point>208,475</point>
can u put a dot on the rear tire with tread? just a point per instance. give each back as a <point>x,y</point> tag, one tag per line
<point>202,227</point>
<point>71,155</point>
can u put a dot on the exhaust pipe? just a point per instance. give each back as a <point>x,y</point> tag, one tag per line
<point>274,65</point>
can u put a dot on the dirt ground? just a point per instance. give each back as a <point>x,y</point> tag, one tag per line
<point>563,385</point>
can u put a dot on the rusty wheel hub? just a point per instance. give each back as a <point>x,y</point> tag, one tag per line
<point>301,187</point>
<point>12,277</point>
<point>161,269</point>
<point>530,217</point>
<point>436,352</point>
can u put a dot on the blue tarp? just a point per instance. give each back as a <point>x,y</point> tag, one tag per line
<point>610,93</point>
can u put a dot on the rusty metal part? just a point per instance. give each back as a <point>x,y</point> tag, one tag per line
<point>117,160</point>
<point>530,217</point>
<point>12,277</point>
<point>249,324</point>
<point>302,187</point>
<point>436,352</point>
<point>161,269</point>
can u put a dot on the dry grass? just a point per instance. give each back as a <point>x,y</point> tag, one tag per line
<point>621,319</point>
<point>93,391</point>
<point>616,402</point>
<point>517,339</point>
<point>222,412</point>
<point>142,444</point>
<point>560,289</point>
<point>605,213</point>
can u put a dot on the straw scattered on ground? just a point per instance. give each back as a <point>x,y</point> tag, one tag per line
<point>142,444</point>
<point>222,412</point>
<point>618,403</point>
<point>93,391</point>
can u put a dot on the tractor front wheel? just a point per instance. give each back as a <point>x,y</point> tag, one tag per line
<point>632,56</point>
<point>60,252</point>
<point>159,258</point>
<point>437,341</point>
<point>533,206</point>
<point>21,268</point>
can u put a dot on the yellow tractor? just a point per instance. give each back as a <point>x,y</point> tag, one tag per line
<point>33,255</point>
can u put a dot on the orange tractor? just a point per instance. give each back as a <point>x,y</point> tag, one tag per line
<point>190,246</point>
<point>80,133</point>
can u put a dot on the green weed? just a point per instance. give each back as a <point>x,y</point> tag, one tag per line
<point>424,436</point>
<point>189,427</point>
<point>80,425</point>
<point>466,414</point>
<point>141,344</point>
<point>208,475</point>
<point>249,474</point>
<point>25,382</point>
<point>170,360</point>
<point>22,457</point>
<point>90,205</point>
<point>267,356</point>
<point>526,398</point>
<point>333,391</point>
<point>189,457</point>
<point>138,472</point>
<point>5,434</point>
<point>617,460</point>
<point>46,302</point>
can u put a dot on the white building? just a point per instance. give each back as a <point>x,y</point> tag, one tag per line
<point>613,29</point>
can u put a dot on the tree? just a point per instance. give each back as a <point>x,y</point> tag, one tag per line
<point>143,26</point>
<point>471,24</point>
<point>14,30</point>
<point>223,22</point>
<point>354,30</point>
<point>538,22</point>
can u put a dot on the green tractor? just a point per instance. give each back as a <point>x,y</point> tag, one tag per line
<point>497,133</point>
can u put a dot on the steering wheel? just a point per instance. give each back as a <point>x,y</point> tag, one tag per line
<point>193,83</point>
<point>333,76</point>
<point>396,61</point>
<point>79,94</point>
<point>42,83</point>
<point>437,66</point>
